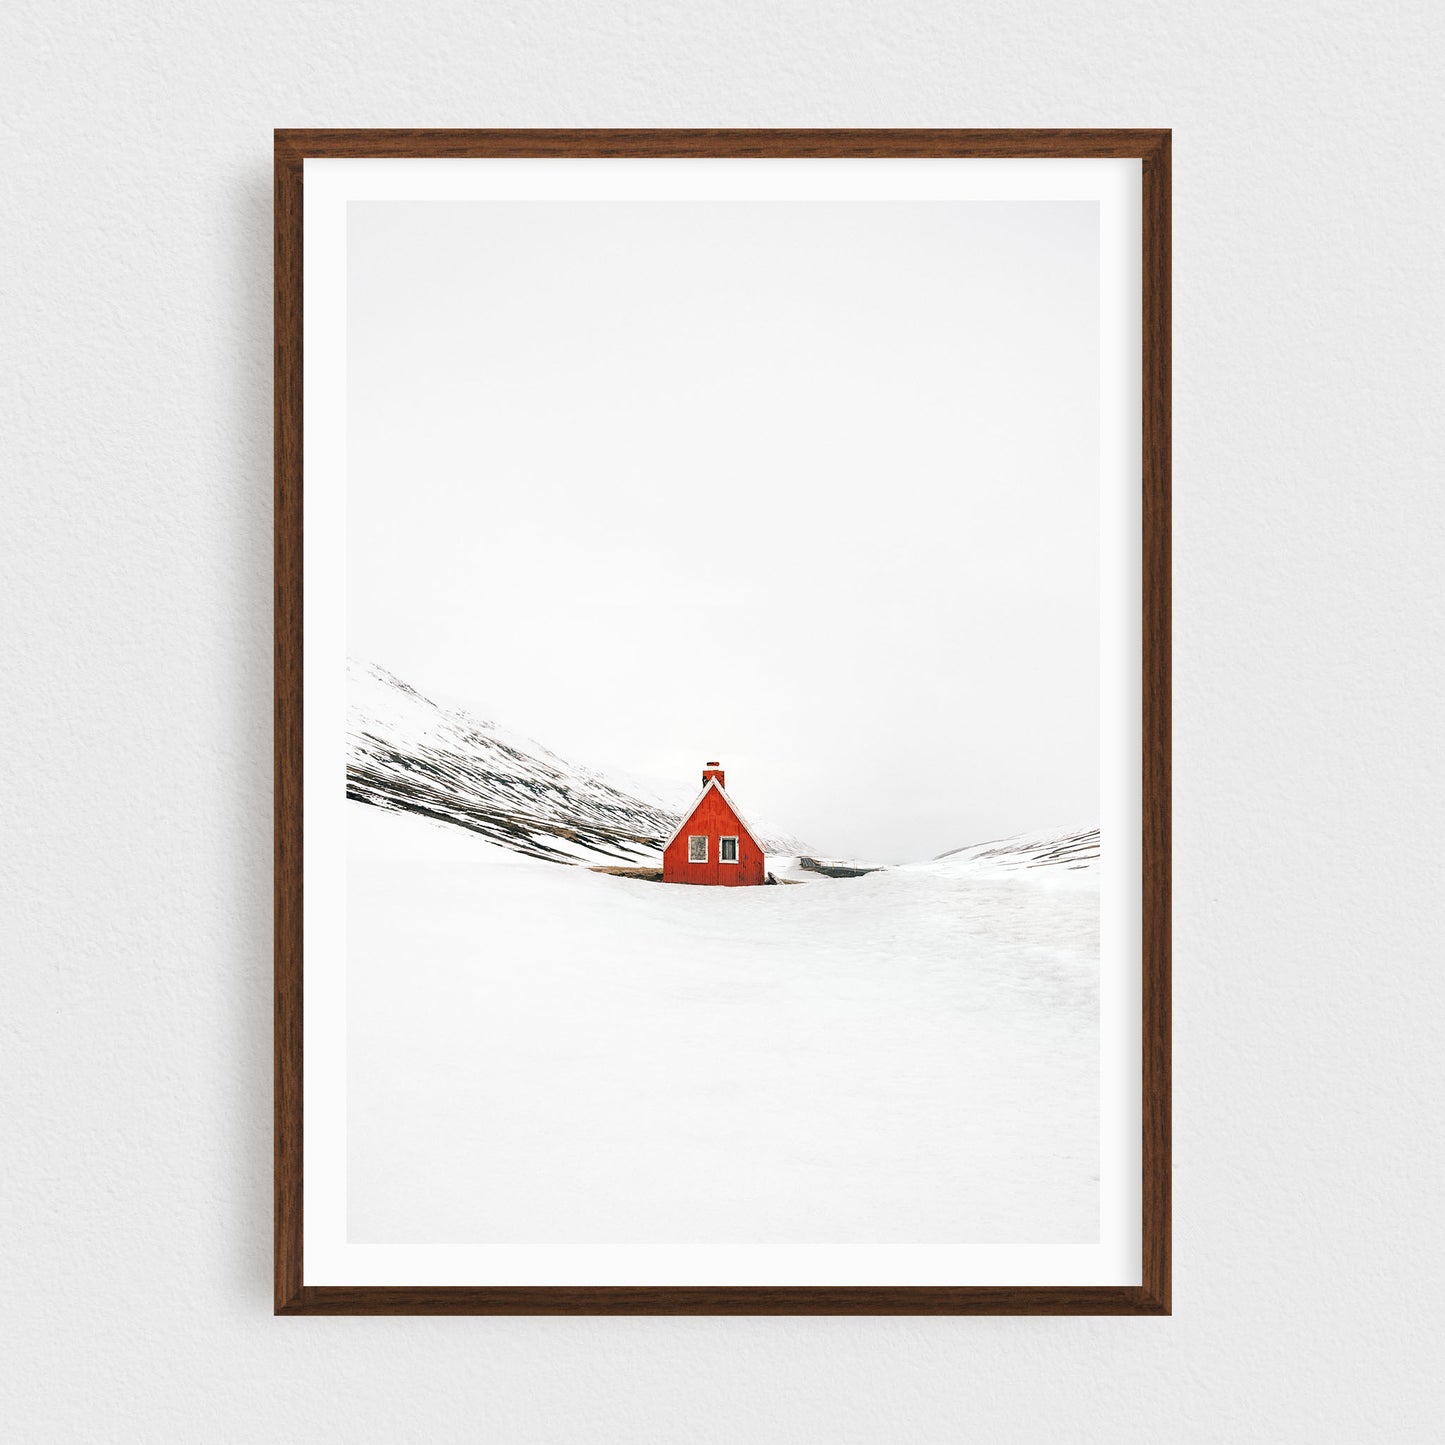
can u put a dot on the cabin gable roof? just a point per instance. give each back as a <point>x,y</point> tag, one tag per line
<point>696,803</point>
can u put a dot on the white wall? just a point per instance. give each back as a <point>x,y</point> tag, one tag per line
<point>135,1153</point>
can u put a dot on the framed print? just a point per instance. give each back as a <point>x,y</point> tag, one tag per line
<point>722,722</point>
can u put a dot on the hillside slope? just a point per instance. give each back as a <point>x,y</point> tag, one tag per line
<point>406,753</point>
<point>1075,850</point>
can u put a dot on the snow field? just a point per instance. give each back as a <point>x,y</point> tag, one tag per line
<point>541,1053</point>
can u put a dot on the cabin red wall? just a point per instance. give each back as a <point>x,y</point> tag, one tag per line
<point>715,818</point>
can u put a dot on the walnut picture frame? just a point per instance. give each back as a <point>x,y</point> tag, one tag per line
<point>311,1147</point>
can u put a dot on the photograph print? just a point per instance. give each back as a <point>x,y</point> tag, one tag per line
<point>731,847</point>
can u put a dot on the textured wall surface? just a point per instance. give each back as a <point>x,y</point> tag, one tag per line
<point>135,656</point>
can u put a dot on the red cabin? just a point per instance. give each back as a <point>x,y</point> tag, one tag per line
<point>712,844</point>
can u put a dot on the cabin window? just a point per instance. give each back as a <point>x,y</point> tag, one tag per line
<point>727,850</point>
<point>697,848</point>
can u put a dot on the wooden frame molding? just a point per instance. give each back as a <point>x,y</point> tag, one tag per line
<point>1152,1297</point>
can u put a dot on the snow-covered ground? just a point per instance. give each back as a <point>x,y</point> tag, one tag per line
<point>544,1053</point>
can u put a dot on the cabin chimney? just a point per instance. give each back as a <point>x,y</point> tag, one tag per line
<point>713,770</point>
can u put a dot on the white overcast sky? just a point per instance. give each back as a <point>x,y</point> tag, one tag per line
<point>812,488</point>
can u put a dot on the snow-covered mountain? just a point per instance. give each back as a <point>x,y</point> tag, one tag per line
<point>1077,849</point>
<point>406,753</point>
